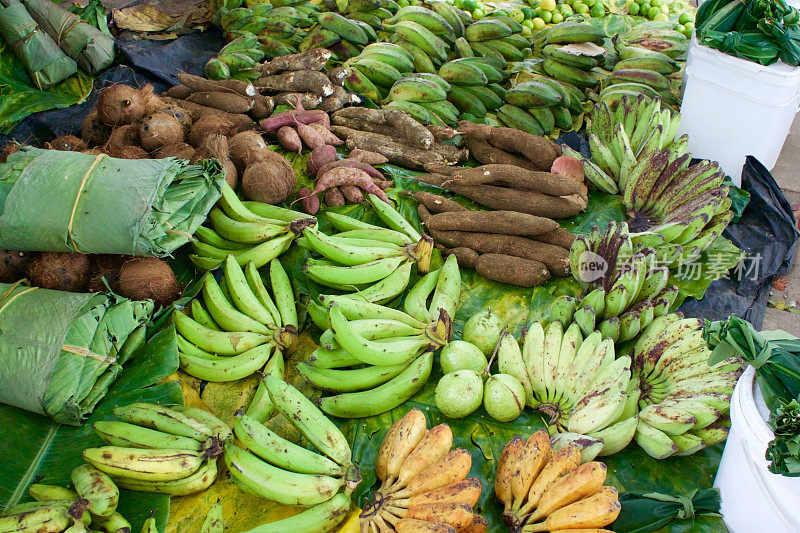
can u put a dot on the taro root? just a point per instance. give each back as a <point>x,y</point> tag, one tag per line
<point>13,264</point>
<point>267,181</point>
<point>93,131</point>
<point>159,129</point>
<point>148,278</point>
<point>67,143</point>
<point>62,271</point>
<point>245,148</point>
<point>105,267</point>
<point>208,124</point>
<point>181,150</point>
<point>122,104</point>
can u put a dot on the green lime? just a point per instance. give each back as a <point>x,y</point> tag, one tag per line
<point>558,18</point>
<point>566,10</point>
<point>459,4</point>
<point>643,9</point>
<point>402,3</point>
<point>652,12</point>
<point>633,8</point>
<point>681,28</point>
<point>590,3</point>
<point>469,5</point>
<point>661,16</point>
<point>582,9</point>
<point>517,15</point>
<point>547,5</point>
<point>526,31</point>
<point>598,11</point>
<point>685,17</point>
<point>664,9</point>
<point>655,3</point>
<point>640,2</point>
<point>689,26</point>
<point>547,16</point>
<point>539,23</point>
<point>528,23</point>
<point>527,12</point>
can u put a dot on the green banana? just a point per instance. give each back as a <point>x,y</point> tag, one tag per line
<point>144,464</point>
<point>533,93</point>
<point>163,418</point>
<point>377,71</point>
<point>128,435</point>
<point>466,102</point>
<point>421,37</point>
<point>516,117</point>
<point>462,73</point>
<point>343,27</point>
<point>97,488</point>
<point>334,380</point>
<point>322,517</point>
<point>486,29</point>
<point>199,481</point>
<point>574,32</point>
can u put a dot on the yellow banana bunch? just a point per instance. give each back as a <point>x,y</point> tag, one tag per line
<point>547,490</point>
<point>155,448</point>
<point>250,231</point>
<point>267,465</point>
<point>424,483</point>
<point>238,327</point>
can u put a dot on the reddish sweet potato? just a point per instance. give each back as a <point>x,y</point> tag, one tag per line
<point>333,197</point>
<point>293,116</point>
<point>290,139</point>
<point>513,270</point>
<point>310,137</point>
<point>336,177</point>
<point>352,194</point>
<point>568,167</point>
<point>349,163</point>
<point>321,156</point>
<point>326,134</point>
<point>309,202</point>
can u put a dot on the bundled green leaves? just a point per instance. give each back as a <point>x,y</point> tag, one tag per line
<point>644,512</point>
<point>762,31</point>
<point>73,202</point>
<point>236,60</point>
<point>784,449</point>
<point>43,59</point>
<point>61,351</point>
<point>774,354</point>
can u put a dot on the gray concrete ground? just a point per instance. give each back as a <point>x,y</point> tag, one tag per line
<point>787,174</point>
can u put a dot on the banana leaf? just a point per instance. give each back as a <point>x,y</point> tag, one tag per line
<point>36,449</point>
<point>69,201</point>
<point>643,512</point>
<point>43,59</point>
<point>91,48</point>
<point>60,351</point>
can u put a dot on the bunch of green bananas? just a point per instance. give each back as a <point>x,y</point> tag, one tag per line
<point>658,37</point>
<point>539,104</point>
<point>374,261</point>
<point>236,60</point>
<point>684,402</point>
<point>249,231</point>
<point>475,87</point>
<point>379,65</point>
<point>626,298</point>
<point>241,326</point>
<point>371,12</point>
<point>91,502</point>
<point>343,36</point>
<point>686,206</point>
<point>162,449</point>
<point>572,53</point>
<point>427,32</point>
<point>620,132</point>
<point>497,37</point>
<point>424,97</point>
<point>376,357</point>
<point>269,466</point>
<point>286,27</point>
<point>585,394</point>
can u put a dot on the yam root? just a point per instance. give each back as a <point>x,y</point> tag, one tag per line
<point>309,202</point>
<point>438,204</point>
<point>200,84</point>
<point>442,133</point>
<point>488,154</point>
<point>502,222</point>
<point>352,194</point>
<point>554,257</point>
<point>214,146</point>
<point>402,124</point>
<point>339,176</point>
<point>321,156</point>
<point>365,156</point>
<point>396,152</point>
<point>179,114</point>
<point>290,139</point>
<point>513,270</point>
<point>536,149</point>
<point>300,81</point>
<point>210,124</point>
<point>240,121</point>
<point>466,257</point>
<point>333,197</point>
<point>104,271</point>
<point>307,100</point>
<point>338,99</point>
<point>517,178</point>
<point>504,199</point>
<point>246,148</point>
<point>337,76</point>
<point>224,101</point>
<point>558,237</point>
<point>7,149</point>
<point>148,278</point>
<point>262,107</point>
<point>311,60</point>
<point>181,92</point>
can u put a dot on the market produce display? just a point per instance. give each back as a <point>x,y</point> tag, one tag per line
<point>62,351</point>
<point>549,489</point>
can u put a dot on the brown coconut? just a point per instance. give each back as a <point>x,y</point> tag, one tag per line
<point>62,271</point>
<point>208,124</point>
<point>266,181</point>
<point>129,152</point>
<point>13,264</point>
<point>215,146</point>
<point>9,148</point>
<point>148,278</point>
<point>127,135</point>
<point>159,129</point>
<point>179,114</point>
<point>181,150</point>
<point>246,148</point>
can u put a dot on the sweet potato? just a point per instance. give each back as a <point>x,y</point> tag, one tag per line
<point>466,257</point>
<point>307,100</point>
<point>339,176</point>
<point>326,134</point>
<point>558,237</point>
<point>309,202</point>
<point>438,204</point>
<point>310,137</point>
<point>531,202</point>
<point>350,163</point>
<point>299,81</point>
<point>365,156</point>
<point>321,156</point>
<point>512,270</point>
<point>207,125</point>
<point>504,222</point>
<point>293,116</point>
<point>200,84</point>
<point>516,178</point>
<point>290,139</point>
<point>554,257</point>
<point>228,102</point>
<point>314,59</point>
<point>568,167</point>
<point>400,123</point>
<point>338,99</point>
<point>333,197</point>
<point>352,194</point>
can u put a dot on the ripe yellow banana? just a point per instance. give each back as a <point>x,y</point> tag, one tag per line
<point>413,525</point>
<point>382,461</point>
<point>505,470</point>
<point>467,491</point>
<point>595,511</point>
<point>458,515</point>
<point>578,484</point>
<point>409,434</point>
<point>145,465</point>
<point>529,463</point>
<point>434,445</point>
<point>449,469</point>
<point>562,462</point>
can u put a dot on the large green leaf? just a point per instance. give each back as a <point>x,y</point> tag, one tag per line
<point>34,449</point>
<point>18,98</point>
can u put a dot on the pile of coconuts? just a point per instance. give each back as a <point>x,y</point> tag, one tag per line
<point>137,278</point>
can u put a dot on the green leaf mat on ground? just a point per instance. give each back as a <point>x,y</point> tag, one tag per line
<point>36,450</point>
<point>19,98</point>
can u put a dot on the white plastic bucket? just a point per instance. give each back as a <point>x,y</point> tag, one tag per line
<point>733,108</point>
<point>753,498</point>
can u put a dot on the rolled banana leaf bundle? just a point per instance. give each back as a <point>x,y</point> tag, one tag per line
<point>59,201</point>
<point>43,59</point>
<point>61,351</point>
<point>90,47</point>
